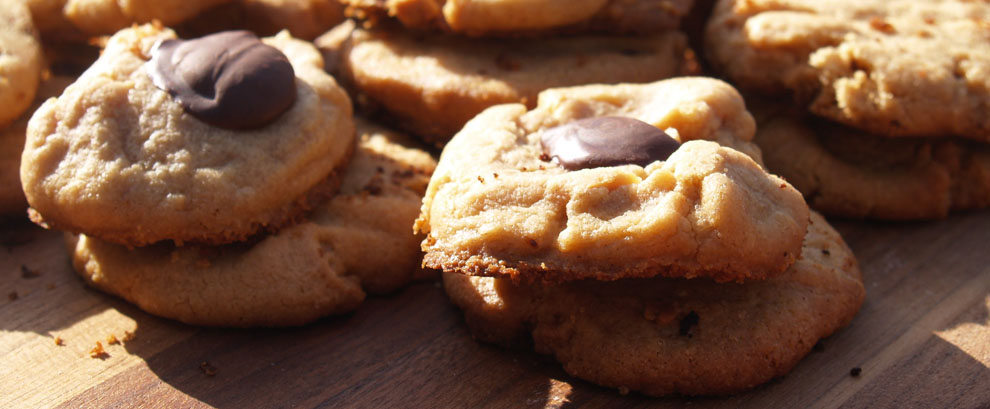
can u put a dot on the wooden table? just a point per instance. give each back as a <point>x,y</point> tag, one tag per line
<point>922,339</point>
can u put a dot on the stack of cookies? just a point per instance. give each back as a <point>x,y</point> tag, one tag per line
<point>428,66</point>
<point>892,99</point>
<point>631,232</point>
<point>218,180</point>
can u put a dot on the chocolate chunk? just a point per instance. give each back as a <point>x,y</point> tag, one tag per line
<point>690,320</point>
<point>606,141</point>
<point>230,79</point>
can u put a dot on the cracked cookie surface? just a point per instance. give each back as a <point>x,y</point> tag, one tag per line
<point>494,207</point>
<point>892,68</point>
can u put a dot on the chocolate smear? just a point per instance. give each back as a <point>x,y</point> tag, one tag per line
<point>606,141</point>
<point>229,79</point>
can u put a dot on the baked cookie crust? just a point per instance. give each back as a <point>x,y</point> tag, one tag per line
<point>663,336</point>
<point>494,207</point>
<point>318,267</point>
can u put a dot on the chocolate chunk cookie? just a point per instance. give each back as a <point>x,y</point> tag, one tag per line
<point>663,336</point>
<point>889,67</point>
<point>502,202</point>
<point>432,85</point>
<point>163,139</point>
<point>315,268</point>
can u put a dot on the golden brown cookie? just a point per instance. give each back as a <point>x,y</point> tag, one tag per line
<point>119,158</point>
<point>305,19</point>
<point>663,336</point>
<point>98,17</point>
<point>12,201</point>
<point>526,17</point>
<point>20,60</point>
<point>846,172</point>
<point>431,85</point>
<point>318,267</point>
<point>888,67</point>
<point>498,205</point>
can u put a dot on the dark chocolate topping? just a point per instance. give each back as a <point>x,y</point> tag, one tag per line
<point>606,141</point>
<point>229,79</point>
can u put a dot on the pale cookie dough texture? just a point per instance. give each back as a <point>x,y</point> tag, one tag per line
<point>525,17</point>
<point>20,60</point>
<point>13,204</point>
<point>431,85</point>
<point>889,67</point>
<point>845,172</point>
<point>663,336</point>
<point>495,208</point>
<point>96,17</point>
<point>117,158</point>
<point>318,267</point>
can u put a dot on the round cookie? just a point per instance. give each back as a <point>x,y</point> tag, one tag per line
<point>888,67</point>
<point>20,60</point>
<point>385,69</point>
<point>498,206</point>
<point>526,17</point>
<point>305,19</point>
<point>12,201</point>
<point>845,172</point>
<point>96,17</point>
<point>662,336</point>
<point>118,158</point>
<point>315,268</point>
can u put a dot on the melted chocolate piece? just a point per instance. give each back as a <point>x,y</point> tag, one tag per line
<point>230,79</point>
<point>606,141</point>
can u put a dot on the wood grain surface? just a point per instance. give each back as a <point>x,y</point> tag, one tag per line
<point>922,339</point>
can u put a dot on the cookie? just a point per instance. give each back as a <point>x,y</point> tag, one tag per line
<point>98,17</point>
<point>12,202</point>
<point>663,336</point>
<point>315,268</point>
<point>846,172</point>
<point>514,18</point>
<point>117,157</point>
<point>502,202</point>
<point>21,63</point>
<point>305,19</point>
<point>888,67</point>
<point>386,70</point>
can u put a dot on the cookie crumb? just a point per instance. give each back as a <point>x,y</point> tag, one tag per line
<point>128,336</point>
<point>58,341</point>
<point>13,296</point>
<point>689,321</point>
<point>208,370</point>
<point>112,340</point>
<point>882,26</point>
<point>27,273</point>
<point>98,352</point>
<point>481,179</point>
<point>855,371</point>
